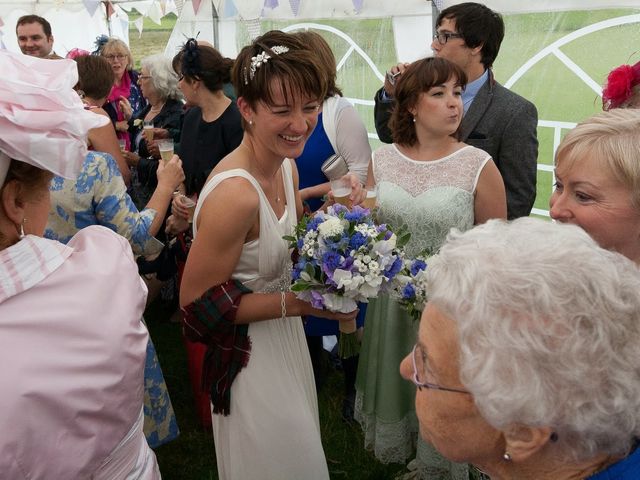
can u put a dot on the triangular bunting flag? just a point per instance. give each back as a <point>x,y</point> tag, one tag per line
<point>230,9</point>
<point>196,5</point>
<point>138,22</point>
<point>110,10</point>
<point>170,7</point>
<point>155,13</point>
<point>357,4</point>
<point>295,6</point>
<point>91,6</point>
<point>270,4</point>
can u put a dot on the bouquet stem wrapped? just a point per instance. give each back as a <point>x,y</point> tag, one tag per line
<point>348,344</point>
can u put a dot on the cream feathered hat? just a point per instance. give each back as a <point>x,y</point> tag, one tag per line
<point>42,119</point>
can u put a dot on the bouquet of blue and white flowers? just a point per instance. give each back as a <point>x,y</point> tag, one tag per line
<point>344,258</point>
<point>410,285</point>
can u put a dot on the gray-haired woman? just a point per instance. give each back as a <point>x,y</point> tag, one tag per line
<point>159,85</point>
<point>528,360</point>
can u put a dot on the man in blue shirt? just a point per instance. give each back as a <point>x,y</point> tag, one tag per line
<point>496,120</point>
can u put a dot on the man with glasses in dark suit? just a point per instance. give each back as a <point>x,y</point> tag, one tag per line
<point>496,119</point>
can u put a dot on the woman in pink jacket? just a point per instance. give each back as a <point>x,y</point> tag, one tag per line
<point>73,358</point>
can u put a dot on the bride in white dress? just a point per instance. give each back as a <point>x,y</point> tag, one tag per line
<point>249,202</point>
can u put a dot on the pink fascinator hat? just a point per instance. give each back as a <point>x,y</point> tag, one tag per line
<point>42,119</point>
<point>76,53</point>
<point>619,86</point>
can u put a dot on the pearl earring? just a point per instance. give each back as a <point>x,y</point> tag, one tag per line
<point>414,119</point>
<point>506,456</point>
<point>250,122</point>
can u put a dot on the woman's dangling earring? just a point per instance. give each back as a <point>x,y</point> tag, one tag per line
<point>22,228</point>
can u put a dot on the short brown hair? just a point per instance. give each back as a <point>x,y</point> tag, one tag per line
<point>319,46</point>
<point>298,70</point>
<point>26,19</point>
<point>418,78</point>
<point>34,179</point>
<point>95,76</point>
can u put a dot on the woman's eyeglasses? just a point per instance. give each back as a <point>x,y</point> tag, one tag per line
<point>419,374</point>
<point>118,57</point>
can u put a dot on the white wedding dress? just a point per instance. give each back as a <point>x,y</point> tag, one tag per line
<point>273,431</point>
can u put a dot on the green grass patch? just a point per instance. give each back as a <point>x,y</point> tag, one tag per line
<point>192,455</point>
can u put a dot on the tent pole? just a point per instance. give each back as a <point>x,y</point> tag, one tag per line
<point>105,4</point>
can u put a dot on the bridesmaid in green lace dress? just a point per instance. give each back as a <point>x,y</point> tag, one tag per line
<point>428,182</point>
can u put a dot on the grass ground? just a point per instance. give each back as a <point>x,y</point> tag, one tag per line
<point>191,456</point>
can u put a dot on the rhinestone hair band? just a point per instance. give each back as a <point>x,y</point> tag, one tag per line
<point>263,57</point>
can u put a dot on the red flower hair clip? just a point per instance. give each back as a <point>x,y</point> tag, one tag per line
<point>620,83</point>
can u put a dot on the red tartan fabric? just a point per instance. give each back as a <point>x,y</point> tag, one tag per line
<point>211,320</point>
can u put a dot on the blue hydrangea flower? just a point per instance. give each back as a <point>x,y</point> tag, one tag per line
<point>316,300</point>
<point>338,208</point>
<point>357,214</point>
<point>331,261</point>
<point>408,292</point>
<point>313,223</point>
<point>416,266</point>
<point>393,270</point>
<point>357,241</point>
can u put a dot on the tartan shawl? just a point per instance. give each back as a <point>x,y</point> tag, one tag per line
<point>211,320</point>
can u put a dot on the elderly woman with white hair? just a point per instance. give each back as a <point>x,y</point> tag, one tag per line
<point>528,361</point>
<point>159,85</point>
<point>598,180</point>
<point>72,389</point>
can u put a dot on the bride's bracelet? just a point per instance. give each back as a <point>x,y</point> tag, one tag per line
<point>283,304</point>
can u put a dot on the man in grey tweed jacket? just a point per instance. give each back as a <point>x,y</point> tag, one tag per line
<point>496,120</point>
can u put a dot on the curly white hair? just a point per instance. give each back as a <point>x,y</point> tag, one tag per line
<point>549,329</point>
<point>164,78</point>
